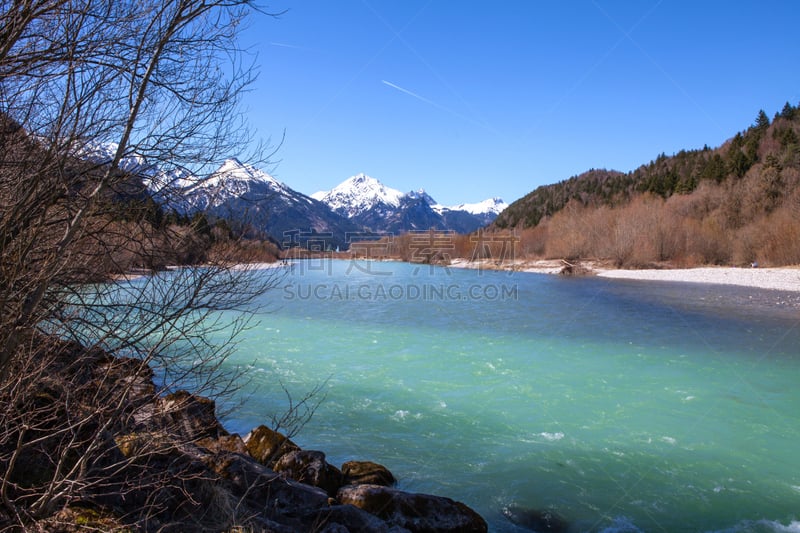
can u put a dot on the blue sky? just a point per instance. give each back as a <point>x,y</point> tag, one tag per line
<point>477,99</point>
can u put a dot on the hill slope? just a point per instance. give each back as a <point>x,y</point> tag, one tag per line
<point>738,203</point>
<point>769,144</point>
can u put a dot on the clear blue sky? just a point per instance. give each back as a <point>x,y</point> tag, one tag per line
<point>477,99</point>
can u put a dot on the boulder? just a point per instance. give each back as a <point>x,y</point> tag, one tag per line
<point>419,513</point>
<point>347,519</point>
<point>258,487</point>
<point>126,371</point>
<point>224,443</point>
<point>310,467</point>
<point>190,416</point>
<point>145,443</point>
<point>367,473</point>
<point>267,446</point>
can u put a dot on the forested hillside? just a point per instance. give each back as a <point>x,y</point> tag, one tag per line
<point>735,204</point>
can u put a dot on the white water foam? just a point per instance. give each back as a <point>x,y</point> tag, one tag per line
<point>766,526</point>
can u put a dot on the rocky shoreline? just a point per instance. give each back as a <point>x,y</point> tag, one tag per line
<point>172,466</point>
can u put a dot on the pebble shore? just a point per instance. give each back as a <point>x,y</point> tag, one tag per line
<point>782,279</point>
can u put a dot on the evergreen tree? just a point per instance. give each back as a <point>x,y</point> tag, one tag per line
<point>714,169</point>
<point>762,121</point>
<point>786,136</point>
<point>788,111</point>
<point>738,163</point>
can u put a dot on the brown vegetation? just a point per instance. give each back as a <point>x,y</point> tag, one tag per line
<point>716,224</point>
<point>735,205</point>
<point>144,79</point>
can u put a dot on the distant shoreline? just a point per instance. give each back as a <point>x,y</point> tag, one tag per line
<point>778,278</point>
<point>781,278</point>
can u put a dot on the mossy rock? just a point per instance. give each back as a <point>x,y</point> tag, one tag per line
<point>267,446</point>
<point>146,443</point>
<point>367,473</point>
<point>225,443</point>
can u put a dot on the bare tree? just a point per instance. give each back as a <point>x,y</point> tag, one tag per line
<point>101,101</point>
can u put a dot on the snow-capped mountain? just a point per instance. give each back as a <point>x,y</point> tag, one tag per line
<point>420,194</point>
<point>491,205</point>
<point>251,198</point>
<point>160,183</point>
<point>232,180</point>
<point>103,153</point>
<point>371,204</point>
<point>258,204</point>
<point>359,194</point>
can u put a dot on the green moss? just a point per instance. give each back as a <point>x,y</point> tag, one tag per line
<point>86,516</point>
<point>267,446</point>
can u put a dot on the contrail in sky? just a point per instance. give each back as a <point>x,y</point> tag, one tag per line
<point>415,95</point>
<point>285,45</point>
<point>431,102</point>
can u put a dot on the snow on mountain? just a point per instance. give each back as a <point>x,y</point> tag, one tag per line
<point>233,177</point>
<point>250,197</point>
<point>177,179</point>
<point>104,152</point>
<point>232,180</point>
<point>234,171</point>
<point>489,206</point>
<point>161,183</point>
<point>420,194</point>
<point>359,194</point>
<point>371,204</point>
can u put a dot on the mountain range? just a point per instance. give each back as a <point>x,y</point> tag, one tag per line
<point>371,204</point>
<point>257,204</point>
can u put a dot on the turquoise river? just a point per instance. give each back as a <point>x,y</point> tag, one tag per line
<point>620,406</point>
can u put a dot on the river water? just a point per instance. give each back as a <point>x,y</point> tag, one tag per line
<point>618,405</point>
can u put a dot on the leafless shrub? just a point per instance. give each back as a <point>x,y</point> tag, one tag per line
<point>299,411</point>
<point>85,89</point>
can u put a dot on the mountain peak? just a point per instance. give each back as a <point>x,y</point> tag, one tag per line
<point>493,206</point>
<point>234,170</point>
<point>372,204</point>
<point>420,194</point>
<point>358,194</point>
<point>231,180</point>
